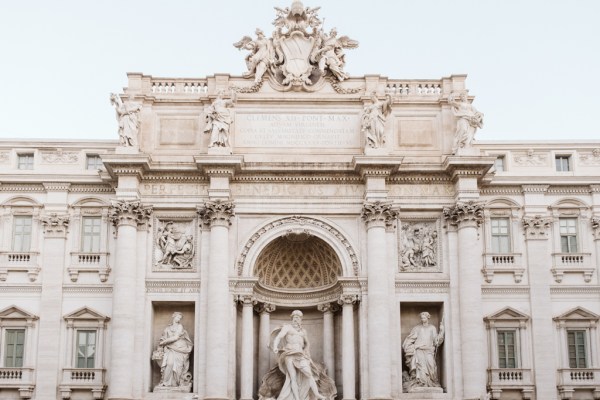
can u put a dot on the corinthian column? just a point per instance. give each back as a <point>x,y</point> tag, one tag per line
<point>375,214</point>
<point>467,217</point>
<point>247,357</point>
<point>218,214</point>
<point>328,341</point>
<point>264,334</point>
<point>125,215</point>
<point>536,238</point>
<point>348,358</point>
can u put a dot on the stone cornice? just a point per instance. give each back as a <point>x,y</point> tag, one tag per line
<point>57,186</point>
<point>217,213</point>
<point>464,213</point>
<point>535,188</point>
<point>465,166</point>
<point>219,165</point>
<point>536,227</point>
<point>129,212</point>
<point>55,225</point>
<point>373,166</point>
<point>126,164</point>
<point>22,187</point>
<point>92,188</point>
<point>378,213</point>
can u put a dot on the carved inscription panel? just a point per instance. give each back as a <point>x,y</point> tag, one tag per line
<point>304,130</point>
<point>295,189</point>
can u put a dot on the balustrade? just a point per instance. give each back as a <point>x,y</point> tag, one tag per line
<point>572,263</point>
<point>89,262</point>
<point>579,376</point>
<point>503,263</point>
<point>178,86</point>
<point>413,88</point>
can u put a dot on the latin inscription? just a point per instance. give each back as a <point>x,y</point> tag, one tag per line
<point>296,190</point>
<point>432,190</point>
<point>297,130</point>
<point>157,189</point>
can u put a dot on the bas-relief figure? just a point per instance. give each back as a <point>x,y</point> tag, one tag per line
<point>175,249</point>
<point>299,52</point>
<point>372,121</point>
<point>129,120</point>
<point>297,376</point>
<point>420,349</point>
<point>219,120</point>
<point>172,355</point>
<point>419,247</point>
<point>469,119</point>
<point>531,159</point>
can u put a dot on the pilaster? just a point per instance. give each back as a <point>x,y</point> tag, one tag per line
<point>328,339</point>
<point>264,332</point>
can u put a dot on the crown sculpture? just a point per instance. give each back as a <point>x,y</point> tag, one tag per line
<point>299,54</point>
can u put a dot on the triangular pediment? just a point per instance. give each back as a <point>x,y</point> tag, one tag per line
<point>577,314</point>
<point>507,314</point>
<point>14,312</point>
<point>86,313</point>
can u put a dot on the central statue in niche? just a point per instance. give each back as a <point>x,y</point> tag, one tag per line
<point>296,377</point>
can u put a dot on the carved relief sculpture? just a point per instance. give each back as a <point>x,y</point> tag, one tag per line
<point>531,159</point>
<point>172,355</point>
<point>372,121</point>
<point>420,349</point>
<point>219,120</point>
<point>175,246</point>
<point>299,52</point>
<point>469,119</point>
<point>128,118</point>
<point>297,376</point>
<point>590,159</point>
<point>419,247</point>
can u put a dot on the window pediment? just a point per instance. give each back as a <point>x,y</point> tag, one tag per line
<point>16,313</point>
<point>86,314</point>
<point>577,314</point>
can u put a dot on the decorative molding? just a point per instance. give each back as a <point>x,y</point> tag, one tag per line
<point>378,213</point>
<point>57,186</point>
<point>335,178</point>
<point>59,157</point>
<point>217,213</point>
<point>574,290</point>
<point>348,299</point>
<point>501,191</point>
<point>22,187</point>
<point>179,286</point>
<point>429,286</point>
<point>133,213</point>
<point>470,212</point>
<point>590,159</point>
<point>156,177</point>
<point>536,227</point>
<point>82,289</point>
<point>569,190</point>
<point>93,188</point>
<point>505,290</point>
<point>328,307</point>
<point>55,225</point>
<point>21,288</point>
<point>530,159</point>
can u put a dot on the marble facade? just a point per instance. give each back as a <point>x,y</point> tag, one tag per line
<point>360,201</point>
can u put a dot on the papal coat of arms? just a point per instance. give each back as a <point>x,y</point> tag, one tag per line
<point>299,53</point>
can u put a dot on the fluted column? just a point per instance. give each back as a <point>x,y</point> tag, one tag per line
<point>247,356</point>
<point>537,229</point>
<point>467,216</point>
<point>218,214</point>
<point>348,357</point>
<point>375,214</point>
<point>47,368</point>
<point>328,340</point>
<point>264,334</point>
<point>125,215</point>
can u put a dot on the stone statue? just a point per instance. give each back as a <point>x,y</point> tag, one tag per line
<point>329,53</point>
<point>373,120</point>
<point>469,119</point>
<point>260,58</point>
<point>219,120</point>
<point>296,377</point>
<point>420,348</point>
<point>184,255</point>
<point>172,354</point>
<point>128,118</point>
<point>176,249</point>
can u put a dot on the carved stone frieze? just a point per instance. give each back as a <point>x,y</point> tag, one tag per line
<point>60,157</point>
<point>55,225</point>
<point>531,159</point>
<point>590,159</point>
<point>419,247</point>
<point>470,212</point>
<point>378,213</point>
<point>4,157</point>
<point>129,212</point>
<point>537,226</point>
<point>175,246</point>
<point>182,286</point>
<point>217,213</point>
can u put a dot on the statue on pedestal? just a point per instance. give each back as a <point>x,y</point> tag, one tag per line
<point>469,119</point>
<point>128,118</point>
<point>219,120</point>
<point>172,354</point>
<point>296,377</point>
<point>420,349</point>
<point>372,121</point>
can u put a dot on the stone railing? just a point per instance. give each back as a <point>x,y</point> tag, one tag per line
<point>509,377</point>
<point>89,262</point>
<point>170,86</point>
<point>17,378</point>
<point>403,88</point>
<point>19,261</point>
<point>572,263</point>
<point>579,376</point>
<point>503,263</point>
<point>83,377</point>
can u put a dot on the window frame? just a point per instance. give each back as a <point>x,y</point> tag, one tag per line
<point>508,319</point>
<point>86,359</point>
<point>85,319</point>
<point>15,318</point>
<point>95,166</point>
<point>569,235</point>
<point>500,160</point>
<point>30,157</point>
<point>575,320</point>
<point>563,157</point>
<point>585,345</point>
<point>504,357</point>
<point>14,235</point>
<point>507,236</point>
<point>14,351</point>
<point>95,236</point>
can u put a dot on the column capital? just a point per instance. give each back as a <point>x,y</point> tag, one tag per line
<point>378,213</point>
<point>129,212</point>
<point>327,307</point>
<point>596,227</point>
<point>217,213</point>
<point>264,308</point>
<point>246,300</point>
<point>348,299</point>
<point>536,227</point>
<point>55,225</point>
<point>464,213</point>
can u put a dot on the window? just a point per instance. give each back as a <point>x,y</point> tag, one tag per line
<point>25,161</point>
<point>568,235</point>
<point>506,349</point>
<point>94,162</point>
<point>500,235</point>
<point>577,349</point>
<point>90,234</point>
<point>499,164</point>
<point>86,349</point>
<point>22,233</point>
<point>14,340</point>
<point>563,163</point>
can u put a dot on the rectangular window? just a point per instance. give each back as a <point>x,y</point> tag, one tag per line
<point>563,163</point>
<point>500,235</point>
<point>507,349</point>
<point>577,351</point>
<point>86,349</point>
<point>22,233</point>
<point>499,164</point>
<point>14,340</point>
<point>94,162</point>
<point>25,161</point>
<point>90,234</point>
<point>568,235</point>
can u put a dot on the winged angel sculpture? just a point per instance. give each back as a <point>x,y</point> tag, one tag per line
<point>299,52</point>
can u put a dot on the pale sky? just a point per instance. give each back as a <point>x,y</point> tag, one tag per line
<point>532,65</point>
